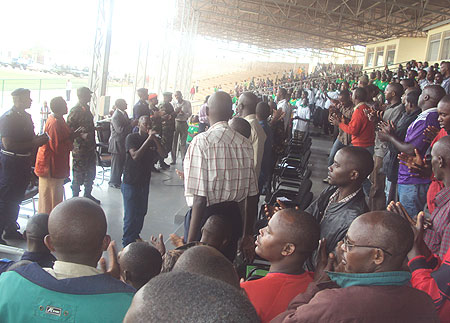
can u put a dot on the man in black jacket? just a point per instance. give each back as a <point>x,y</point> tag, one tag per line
<point>344,200</point>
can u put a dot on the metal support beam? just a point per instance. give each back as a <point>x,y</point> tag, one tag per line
<point>98,77</point>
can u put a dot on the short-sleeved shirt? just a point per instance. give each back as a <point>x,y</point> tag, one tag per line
<point>415,136</point>
<point>272,294</point>
<point>192,131</point>
<point>18,125</point>
<point>302,112</point>
<point>138,172</point>
<point>219,166</point>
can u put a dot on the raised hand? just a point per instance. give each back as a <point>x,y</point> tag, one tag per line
<point>430,133</point>
<point>324,262</point>
<point>158,243</point>
<point>416,164</point>
<point>419,246</point>
<point>113,269</point>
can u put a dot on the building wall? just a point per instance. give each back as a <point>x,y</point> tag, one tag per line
<point>444,33</point>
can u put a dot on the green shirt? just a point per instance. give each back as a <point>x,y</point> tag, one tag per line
<point>192,130</point>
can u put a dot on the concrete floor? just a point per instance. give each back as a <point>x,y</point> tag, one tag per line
<point>167,206</point>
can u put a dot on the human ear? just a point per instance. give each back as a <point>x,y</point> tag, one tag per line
<point>378,257</point>
<point>354,175</point>
<point>288,249</point>
<point>48,243</point>
<point>440,160</point>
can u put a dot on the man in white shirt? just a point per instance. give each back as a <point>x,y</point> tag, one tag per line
<point>283,104</point>
<point>247,109</point>
<point>218,173</point>
<point>183,111</point>
<point>332,94</point>
<point>301,116</point>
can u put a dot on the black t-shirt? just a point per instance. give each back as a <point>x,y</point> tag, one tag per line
<point>137,172</point>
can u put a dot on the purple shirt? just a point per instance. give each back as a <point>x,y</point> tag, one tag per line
<point>415,136</point>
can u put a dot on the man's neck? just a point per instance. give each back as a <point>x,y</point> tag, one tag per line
<point>291,268</point>
<point>446,179</point>
<point>395,101</point>
<point>345,191</point>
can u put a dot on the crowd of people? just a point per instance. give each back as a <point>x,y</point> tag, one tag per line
<point>373,246</point>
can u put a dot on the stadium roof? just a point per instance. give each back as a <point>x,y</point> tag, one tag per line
<point>316,24</point>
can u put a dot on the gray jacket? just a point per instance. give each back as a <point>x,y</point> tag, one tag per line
<point>120,128</point>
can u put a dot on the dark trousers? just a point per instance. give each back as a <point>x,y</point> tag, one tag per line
<point>117,164</point>
<point>14,179</point>
<point>230,212</point>
<point>135,205</point>
<point>179,139</point>
<point>326,126</point>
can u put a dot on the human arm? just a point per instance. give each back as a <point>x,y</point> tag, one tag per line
<point>137,152</point>
<point>356,122</point>
<point>120,123</point>
<point>12,145</point>
<point>198,210</point>
<point>158,243</point>
<point>418,166</point>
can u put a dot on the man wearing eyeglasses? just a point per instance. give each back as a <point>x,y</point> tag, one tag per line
<point>372,285</point>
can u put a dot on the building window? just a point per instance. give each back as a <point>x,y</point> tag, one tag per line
<point>390,54</point>
<point>433,47</point>
<point>446,46</point>
<point>369,57</point>
<point>380,55</point>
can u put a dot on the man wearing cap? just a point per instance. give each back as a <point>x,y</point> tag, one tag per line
<point>183,111</point>
<point>18,142</point>
<point>83,153</point>
<point>168,126</point>
<point>141,107</point>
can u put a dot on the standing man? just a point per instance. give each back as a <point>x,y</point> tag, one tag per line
<point>141,108</point>
<point>168,126</point>
<point>183,111</point>
<point>68,90</point>
<point>445,71</point>
<point>141,148</point>
<point>247,109</point>
<point>121,126</point>
<point>284,105</point>
<point>83,153</point>
<point>18,142</point>
<point>221,158</point>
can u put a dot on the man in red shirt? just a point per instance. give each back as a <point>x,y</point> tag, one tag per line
<point>360,127</point>
<point>287,241</point>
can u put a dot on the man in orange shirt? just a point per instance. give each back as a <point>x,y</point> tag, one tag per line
<point>287,241</point>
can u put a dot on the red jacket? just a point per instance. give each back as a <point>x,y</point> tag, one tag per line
<point>433,277</point>
<point>360,127</point>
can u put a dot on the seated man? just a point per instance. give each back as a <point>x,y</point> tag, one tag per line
<point>340,203</point>
<point>190,298</point>
<point>373,286</point>
<point>74,289</point>
<point>207,261</point>
<point>288,240</point>
<point>36,230</point>
<point>139,262</point>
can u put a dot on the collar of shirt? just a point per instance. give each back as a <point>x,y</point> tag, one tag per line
<point>333,198</point>
<point>442,197</point>
<point>64,270</point>
<point>220,124</point>
<point>358,105</point>
<point>250,117</point>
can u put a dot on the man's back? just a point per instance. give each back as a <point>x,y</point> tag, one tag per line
<point>257,138</point>
<point>30,294</point>
<point>361,304</point>
<point>219,165</point>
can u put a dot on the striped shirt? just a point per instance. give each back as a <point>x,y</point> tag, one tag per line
<point>437,237</point>
<point>219,166</point>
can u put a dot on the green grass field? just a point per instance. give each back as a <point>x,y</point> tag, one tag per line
<point>11,79</point>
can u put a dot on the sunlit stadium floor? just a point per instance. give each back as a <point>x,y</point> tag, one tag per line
<point>167,206</point>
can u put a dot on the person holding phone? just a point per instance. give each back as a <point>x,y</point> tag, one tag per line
<point>52,160</point>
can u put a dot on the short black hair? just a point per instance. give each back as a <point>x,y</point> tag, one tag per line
<point>37,226</point>
<point>283,91</point>
<point>361,94</point>
<point>345,94</point>
<point>398,89</point>
<point>361,159</point>
<point>57,104</point>
<point>190,298</point>
<point>412,97</point>
<point>409,82</point>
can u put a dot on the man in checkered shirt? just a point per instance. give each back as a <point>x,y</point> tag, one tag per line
<point>219,173</point>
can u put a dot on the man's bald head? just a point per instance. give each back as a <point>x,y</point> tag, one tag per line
<point>430,97</point>
<point>440,159</point>
<point>247,103</point>
<point>263,111</point>
<point>207,261</point>
<point>77,231</point>
<point>385,230</point>
<point>241,125</point>
<point>220,107</point>
<point>139,262</point>
<point>37,227</point>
